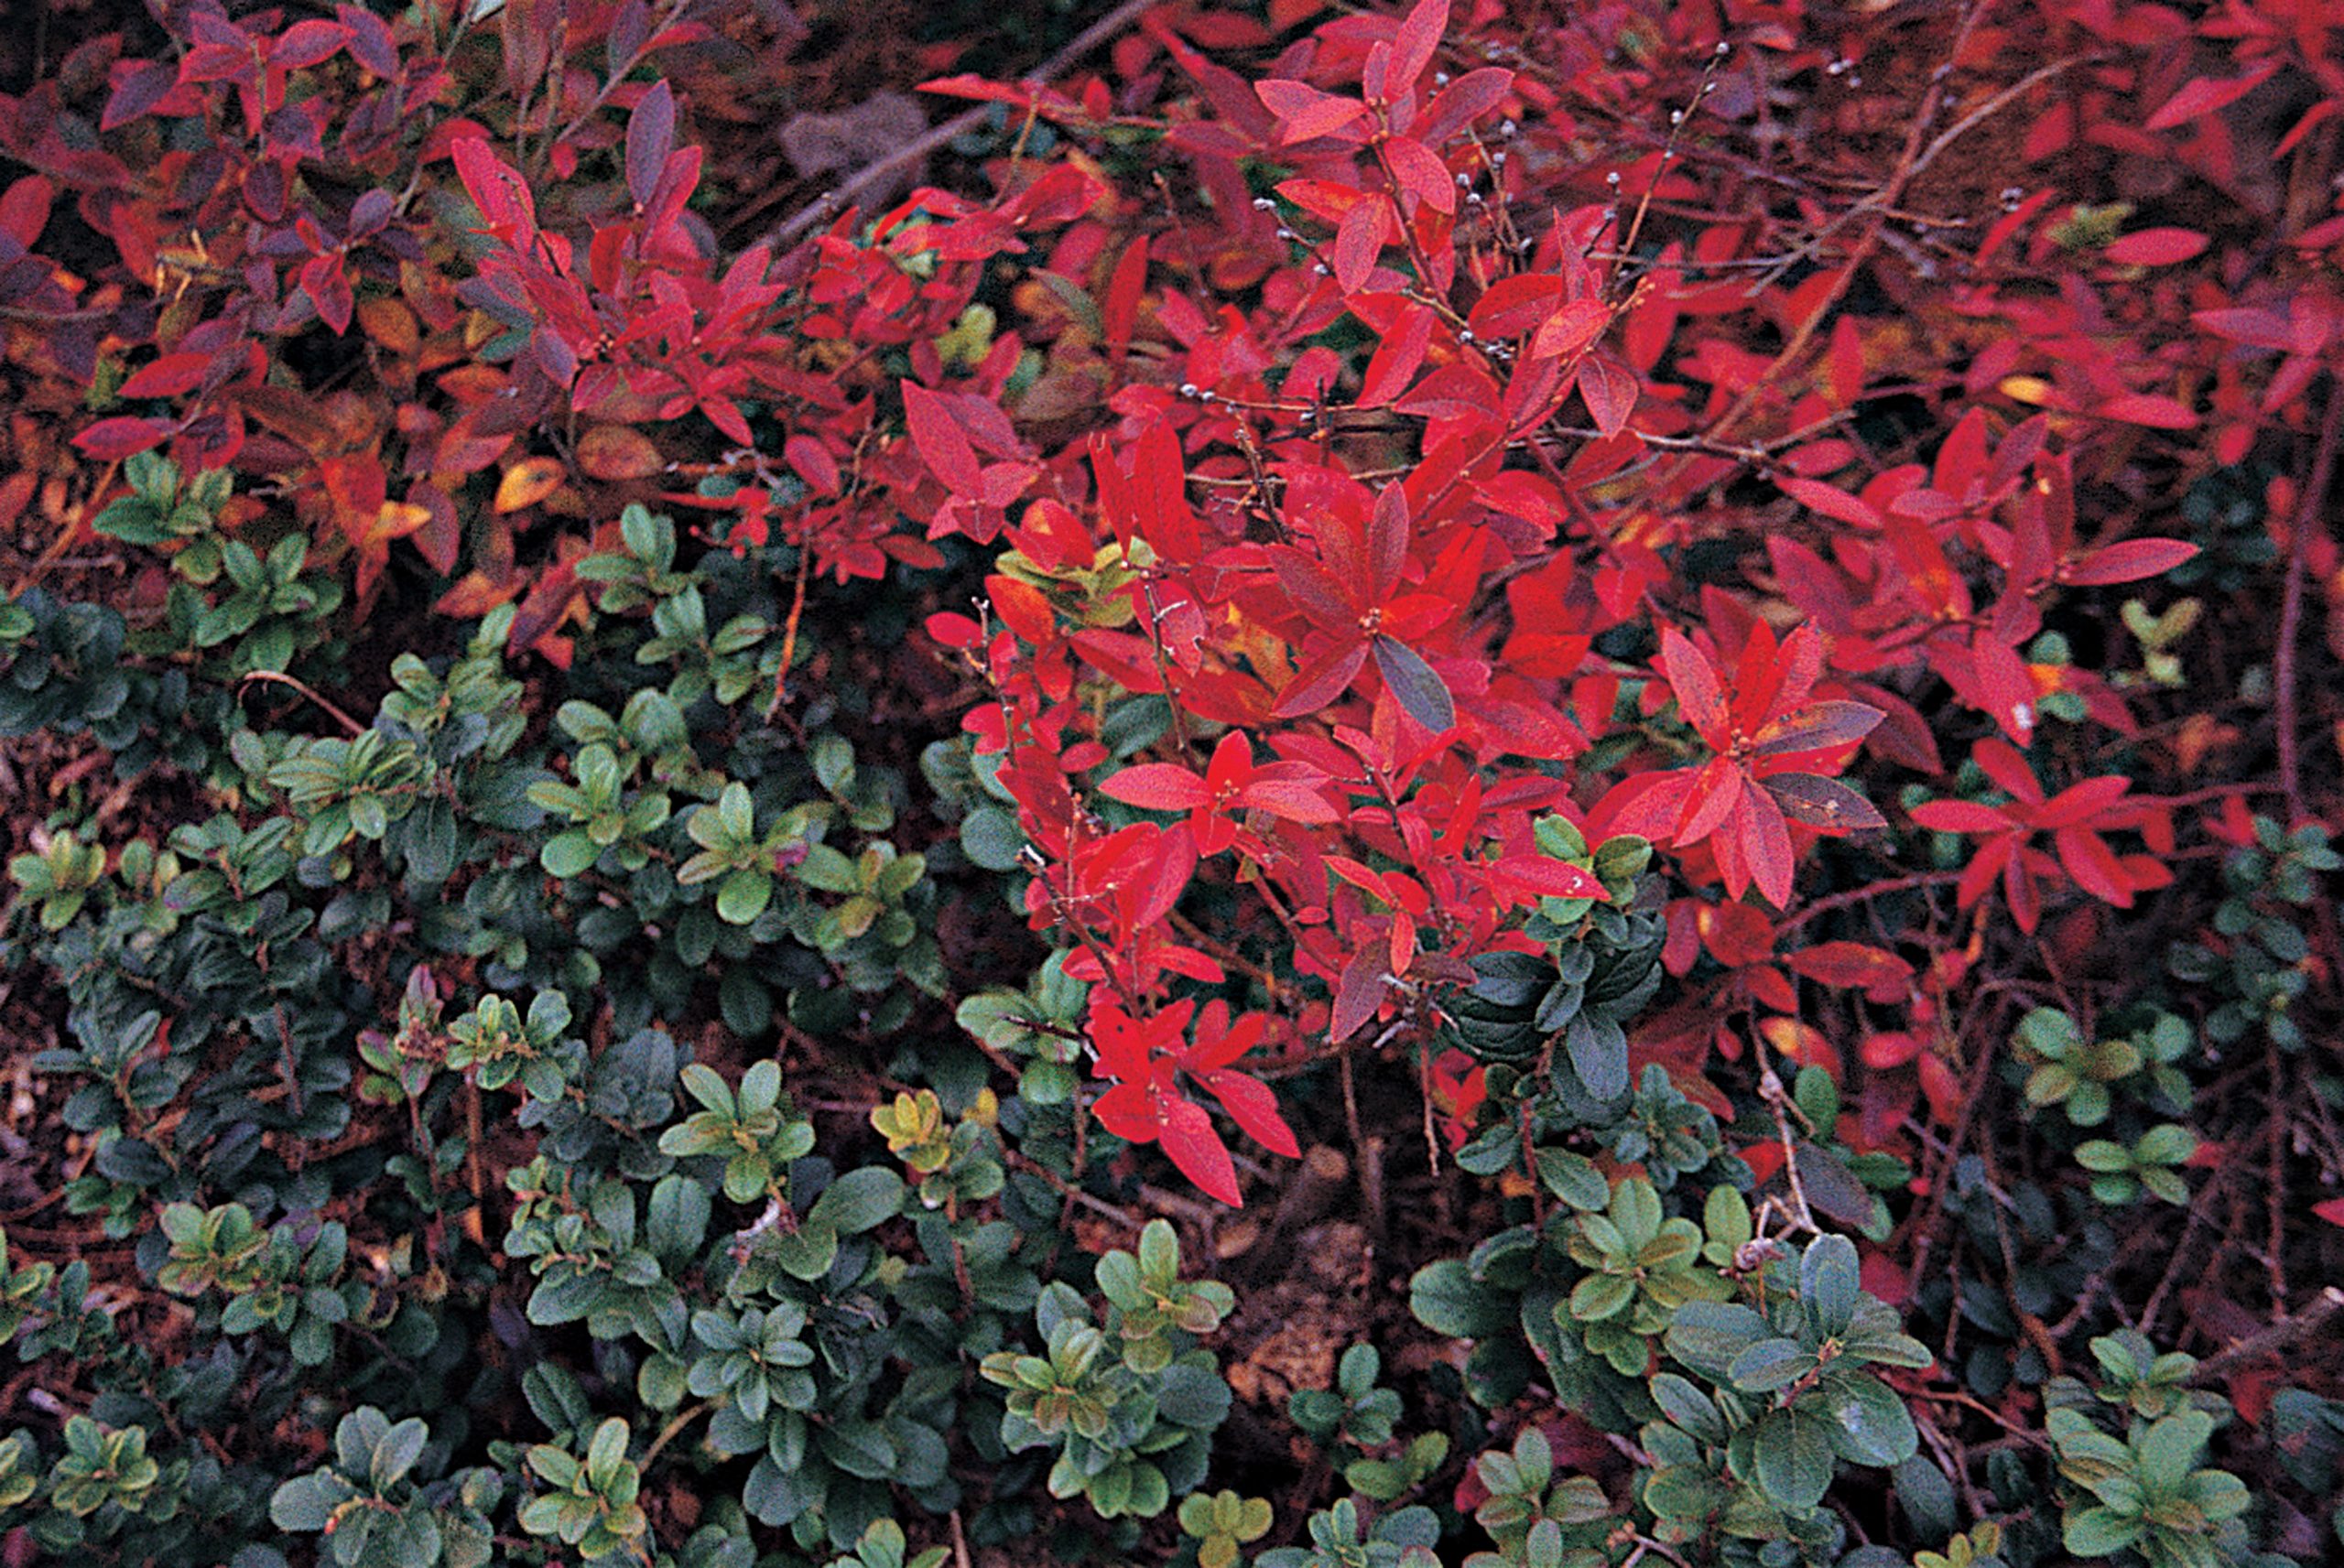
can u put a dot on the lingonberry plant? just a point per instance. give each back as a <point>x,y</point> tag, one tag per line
<point>654,845</point>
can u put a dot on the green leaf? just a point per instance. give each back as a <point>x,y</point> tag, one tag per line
<point>1598,1049</point>
<point>1794,1458</point>
<point>1572,1177</point>
<point>2169,1449</point>
<point>1708,1335</point>
<point>1684,1403</point>
<point>1872,1424</point>
<point>568,854</point>
<point>1830,1284</point>
<point>743,896</point>
<point>1447,1299</point>
<point>1599,1296</point>
<point>2100,1531</point>
<point>306,1503</point>
<point>859,1200</point>
<point>992,839</point>
<point>396,1454</point>
<point>1770,1364</point>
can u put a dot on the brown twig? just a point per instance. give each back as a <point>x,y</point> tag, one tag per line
<point>278,677</point>
<point>830,203</point>
<point>2275,1337</point>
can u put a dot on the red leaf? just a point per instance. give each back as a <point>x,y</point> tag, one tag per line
<point>1188,1136</point>
<point>1695,682</point>
<point>2157,247</point>
<point>1549,878</point>
<point>1881,975</point>
<point>1303,112</point>
<point>1831,502</point>
<point>1570,329</point>
<point>1415,42</point>
<point>2093,864</point>
<point>1157,786</point>
<point>1610,390</point>
<point>167,377</point>
<point>328,287</point>
<point>1716,792</point>
<point>2130,561</point>
<point>2152,410</point>
<point>2331,1210</point>
<point>2204,94</point>
<point>1421,174</point>
<point>1288,799</point>
<point>1358,240</point>
<point>24,208</point>
<point>1396,359</point>
<point>941,443</point>
<point>1959,817</point>
<point>1255,1107</point>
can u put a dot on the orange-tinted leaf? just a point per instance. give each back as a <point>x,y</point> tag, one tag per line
<point>614,453</point>
<point>528,483</point>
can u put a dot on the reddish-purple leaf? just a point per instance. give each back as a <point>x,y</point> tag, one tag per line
<point>112,439</point>
<point>1823,803</point>
<point>308,43</point>
<point>1422,695</point>
<point>138,88</point>
<point>2153,409</point>
<point>1358,993</point>
<point>1463,101</point>
<point>1610,390</point>
<point>1765,843</point>
<point>650,137</point>
<point>1818,727</point>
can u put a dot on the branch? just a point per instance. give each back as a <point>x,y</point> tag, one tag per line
<point>830,204</point>
<point>2291,607</point>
